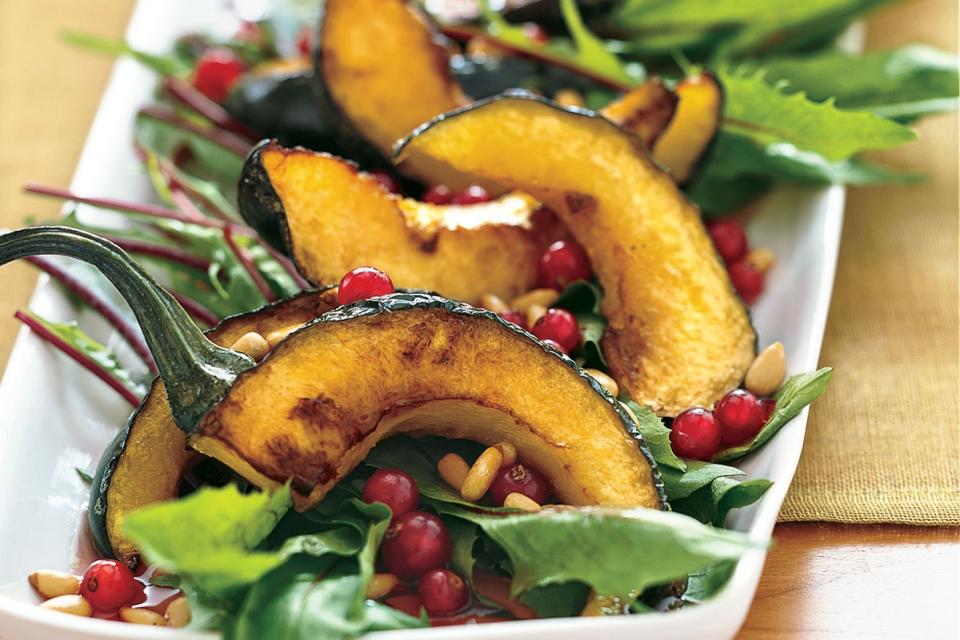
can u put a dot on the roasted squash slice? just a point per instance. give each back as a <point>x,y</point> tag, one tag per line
<point>685,143</point>
<point>645,110</point>
<point>421,364</point>
<point>146,461</point>
<point>678,336</point>
<point>331,218</point>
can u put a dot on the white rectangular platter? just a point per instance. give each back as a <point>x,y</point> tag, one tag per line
<point>55,417</point>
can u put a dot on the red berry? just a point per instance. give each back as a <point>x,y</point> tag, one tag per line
<point>695,433</point>
<point>442,592</point>
<point>409,603</point>
<point>520,478</point>
<point>362,283</point>
<point>556,345</point>
<point>305,41</point>
<point>560,326</point>
<point>562,263</point>
<point>746,280</point>
<point>109,585</point>
<point>395,488</point>
<point>515,317</point>
<point>536,33</point>
<point>741,416</point>
<point>768,405</point>
<point>216,71</point>
<point>474,194</point>
<point>386,180</point>
<point>415,543</point>
<point>728,238</point>
<point>438,194</point>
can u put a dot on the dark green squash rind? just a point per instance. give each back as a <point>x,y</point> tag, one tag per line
<point>259,204</point>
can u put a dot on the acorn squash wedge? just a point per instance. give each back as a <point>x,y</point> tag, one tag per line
<point>147,460</point>
<point>689,136</point>
<point>331,218</point>
<point>645,110</point>
<point>678,336</point>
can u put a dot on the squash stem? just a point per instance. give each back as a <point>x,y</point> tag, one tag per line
<point>196,372</point>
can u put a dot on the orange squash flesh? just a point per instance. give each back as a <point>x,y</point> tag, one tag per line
<point>645,110</point>
<point>684,143</point>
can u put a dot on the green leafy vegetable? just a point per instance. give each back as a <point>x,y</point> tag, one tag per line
<point>657,437</point>
<point>85,477</point>
<point>167,65</point>
<point>557,600</point>
<point>703,584</point>
<point>591,50</point>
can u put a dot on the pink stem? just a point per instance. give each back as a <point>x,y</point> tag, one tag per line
<point>78,356</point>
<point>97,303</point>
<point>248,265</point>
<point>159,251</point>
<point>106,203</point>
<point>186,94</point>
<point>187,207</point>
<point>195,309</point>
<point>225,139</point>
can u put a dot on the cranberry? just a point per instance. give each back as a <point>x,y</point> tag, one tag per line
<point>520,478</point>
<point>728,238</point>
<point>474,194</point>
<point>746,280</point>
<point>515,317</point>
<point>563,262</point>
<point>695,434</point>
<point>768,405</point>
<point>438,194</point>
<point>556,345</point>
<point>362,283</point>
<point>560,326</point>
<point>741,416</point>
<point>395,488</point>
<point>386,180</point>
<point>442,592</point>
<point>109,585</point>
<point>216,71</point>
<point>536,33</point>
<point>305,41</point>
<point>415,543</point>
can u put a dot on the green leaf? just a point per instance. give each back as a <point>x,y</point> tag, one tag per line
<point>209,537</point>
<point>699,474</point>
<point>557,600</point>
<point>795,394</point>
<point>656,436</point>
<point>580,296</point>
<point>905,83</point>
<point>701,585</point>
<point>85,477</point>
<point>708,491</point>
<point>167,65</point>
<point>592,326</point>
<point>766,114</point>
<point>617,552</point>
<point>591,50</point>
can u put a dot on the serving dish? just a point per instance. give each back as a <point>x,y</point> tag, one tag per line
<point>41,496</point>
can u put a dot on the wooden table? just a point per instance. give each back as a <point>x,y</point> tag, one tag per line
<point>821,581</point>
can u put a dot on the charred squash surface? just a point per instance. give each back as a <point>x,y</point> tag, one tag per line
<point>678,336</point>
<point>147,460</point>
<point>687,139</point>
<point>331,218</point>
<point>646,110</point>
<point>422,364</point>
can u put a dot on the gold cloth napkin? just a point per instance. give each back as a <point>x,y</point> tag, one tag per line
<point>882,445</point>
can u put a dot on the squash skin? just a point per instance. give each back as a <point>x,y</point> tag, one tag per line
<point>678,336</point>
<point>147,459</point>
<point>331,218</point>
<point>397,353</point>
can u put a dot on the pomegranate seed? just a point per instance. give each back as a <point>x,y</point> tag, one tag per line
<point>438,194</point>
<point>536,33</point>
<point>216,72</point>
<point>728,238</point>
<point>556,345</point>
<point>740,415</point>
<point>515,317</point>
<point>474,194</point>
<point>386,180</point>
<point>695,434</point>
<point>109,585</point>
<point>560,326</point>
<point>395,488</point>
<point>562,263</point>
<point>746,280</point>
<point>520,478</point>
<point>362,283</point>
<point>768,405</point>
<point>305,41</point>
<point>442,592</point>
<point>415,543</point>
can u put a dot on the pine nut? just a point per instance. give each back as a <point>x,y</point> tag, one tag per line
<point>75,605</point>
<point>605,381</point>
<point>534,313</point>
<point>481,474</point>
<point>519,501</point>
<point>453,469</point>
<point>142,616</point>
<point>493,303</point>
<point>761,259</point>
<point>276,337</point>
<point>603,606</point>
<point>253,344</point>
<point>509,453</point>
<point>381,584</point>
<point>633,416</point>
<point>542,297</point>
<point>51,584</point>
<point>569,98</point>
<point>766,373</point>
<point>178,613</point>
